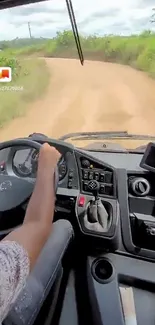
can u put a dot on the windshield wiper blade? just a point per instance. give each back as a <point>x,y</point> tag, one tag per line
<point>105,135</point>
<point>75,30</point>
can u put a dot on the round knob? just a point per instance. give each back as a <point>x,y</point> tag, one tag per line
<point>85,163</point>
<point>139,186</point>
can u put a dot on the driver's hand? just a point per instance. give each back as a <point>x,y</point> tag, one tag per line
<point>48,159</point>
<point>42,203</point>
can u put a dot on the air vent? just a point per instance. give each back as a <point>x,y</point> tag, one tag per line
<point>141,185</point>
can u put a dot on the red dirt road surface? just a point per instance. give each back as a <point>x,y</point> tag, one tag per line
<point>97,97</point>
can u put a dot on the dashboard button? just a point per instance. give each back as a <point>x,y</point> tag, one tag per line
<point>70,175</point>
<point>70,184</point>
<point>71,202</point>
<point>108,177</point>
<point>81,201</point>
<point>85,174</point>
<point>91,175</point>
<point>85,186</point>
<point>102,177</point>
<point>96,176</point>
<point>108,189</point>
<point>102,189</point>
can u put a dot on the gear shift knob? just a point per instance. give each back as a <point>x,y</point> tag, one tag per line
<point>94,187</point>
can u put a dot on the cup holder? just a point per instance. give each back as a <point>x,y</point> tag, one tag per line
<point>102,270</point>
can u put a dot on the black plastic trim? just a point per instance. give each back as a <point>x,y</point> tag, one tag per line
<point>129,271</point>
<point>125,218</point>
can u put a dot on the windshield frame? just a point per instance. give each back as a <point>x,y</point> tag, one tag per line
<point>115,135</point>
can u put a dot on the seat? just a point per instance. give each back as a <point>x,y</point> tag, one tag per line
<point>44,277</point>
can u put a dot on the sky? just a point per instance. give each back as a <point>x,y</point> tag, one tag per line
<point>98,17</point>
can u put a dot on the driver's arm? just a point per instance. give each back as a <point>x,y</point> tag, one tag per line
<point>20,249</point>
<point>37,225</point>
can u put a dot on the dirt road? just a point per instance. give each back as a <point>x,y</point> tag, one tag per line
<point>98,96</point>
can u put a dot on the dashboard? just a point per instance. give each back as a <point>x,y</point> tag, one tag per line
<point>126,190</point>
<point>127,193</point>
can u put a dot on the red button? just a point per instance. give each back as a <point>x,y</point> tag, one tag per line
<point>81,201</point>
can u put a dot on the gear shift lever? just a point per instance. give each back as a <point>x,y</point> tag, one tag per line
<point>94,186</point>
<point>96,216</point>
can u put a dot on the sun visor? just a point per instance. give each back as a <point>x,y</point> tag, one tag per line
<point>4,4</point>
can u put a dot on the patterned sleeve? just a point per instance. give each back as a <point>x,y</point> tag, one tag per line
<point>14,269</point>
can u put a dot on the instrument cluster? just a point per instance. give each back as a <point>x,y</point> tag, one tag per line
<point>25,163</point>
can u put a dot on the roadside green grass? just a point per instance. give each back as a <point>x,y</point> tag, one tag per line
<point>137,51</point>
<point>32,76</point>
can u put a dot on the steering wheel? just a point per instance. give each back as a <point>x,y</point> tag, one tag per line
<point>15,191</point>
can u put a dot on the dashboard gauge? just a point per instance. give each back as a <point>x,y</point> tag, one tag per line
<point>35,155</point>
<point>23,170</point>
<point>62,168</point>
<point>34,161</point>
<point>21,164</point>
<point>25,163</point>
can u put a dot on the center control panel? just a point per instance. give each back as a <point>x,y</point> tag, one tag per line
<point>93,171</point>
<point>104,178</point>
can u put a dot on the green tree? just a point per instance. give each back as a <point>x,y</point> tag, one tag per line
<point>152,19</point>
<point>65,39</point>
